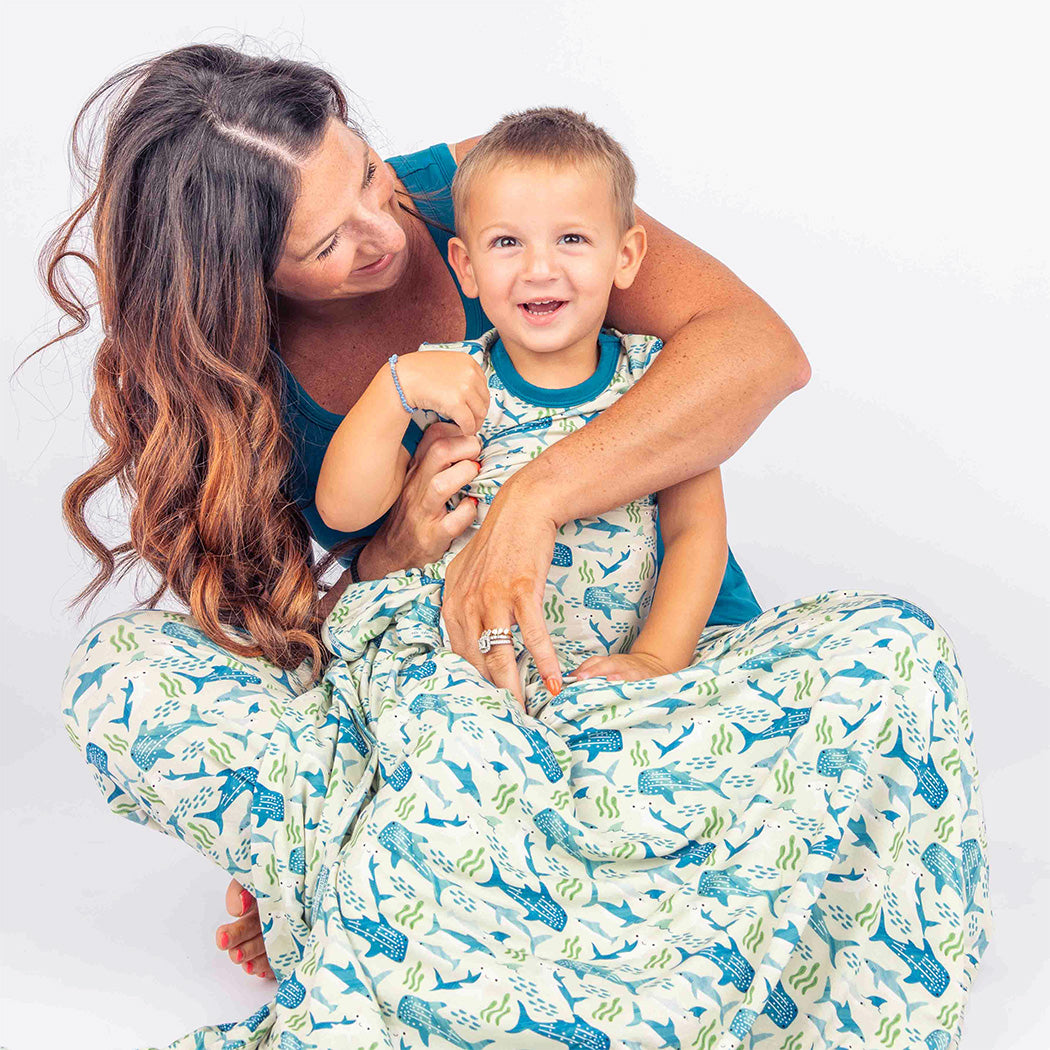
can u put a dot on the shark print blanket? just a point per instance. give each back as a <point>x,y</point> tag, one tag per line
<point>782,843</point>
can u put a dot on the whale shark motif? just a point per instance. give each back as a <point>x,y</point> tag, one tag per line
<point>151,744</point>
<point>786,725</point>
<point>929,784</point>
<point>666,780</point>
<point>221,674</point>
<point>905,608</point>
<point>403,845</point>
<point>576,1034</point>
<point>961,874</point>
<point>944,678</point>
<point>833,760</point>
<point>584,968</point>
<point>693,853</point>
<point>421,1015</point>
<point>267,804</point>
<point>780,651</point>
<point>736,970</point>
<point>382,938</point>
<point>419,672</point>
<point>819,925</point>
<point>605,599</point>
<point>780,1008</point>
<point>596,741</point>
<point>234,781</point>
<point>938,1039</point>
<point>401,775</point>
<point>538,904</point>
<point>291,992</point>
<point>723,884</point>
<point>562,556</point>
<point>436,702</point>
<point>926,969</point>
<point>558,831</point>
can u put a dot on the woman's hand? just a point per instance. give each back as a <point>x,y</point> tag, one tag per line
<point>242,939</point>
<point>419,528</point>
<point>622,667</point>
<point>498,580</point>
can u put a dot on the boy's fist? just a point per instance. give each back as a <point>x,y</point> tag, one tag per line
<point>448,382</point>
<point>622,667</point>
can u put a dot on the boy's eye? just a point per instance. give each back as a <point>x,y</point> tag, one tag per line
<point>573,238</point>
<point>505,242</point>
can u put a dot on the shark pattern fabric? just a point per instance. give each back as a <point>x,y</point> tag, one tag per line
<point>782,844</point>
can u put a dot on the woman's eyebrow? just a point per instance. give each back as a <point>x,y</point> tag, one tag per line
<point>331,233</point>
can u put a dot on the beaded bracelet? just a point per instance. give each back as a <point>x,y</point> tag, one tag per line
<point>400,393</point>
<point>353,562</point>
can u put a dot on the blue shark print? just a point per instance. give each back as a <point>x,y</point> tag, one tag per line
<point>783,726</point>
<point>596,742</point>
<point>906,609</point>
<point>833,760</point>
<point>576,1034</point>
<point>605,599</point>
<point>434,866</point>
<point>929,783</point>
<point>562,556</point>
<point>234,781</point>
<point>149,746</point>
<point>668,779</point>
<point>404,846</point>
<point>382,938</point>
<point>539,905</point>
<point>427,1021</point>
<point>221,674</point>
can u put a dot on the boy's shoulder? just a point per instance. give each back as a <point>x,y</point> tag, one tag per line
<point>477,348</point>
<point>637,351</point>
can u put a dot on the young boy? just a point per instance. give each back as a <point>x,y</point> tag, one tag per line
<point>545,229</point>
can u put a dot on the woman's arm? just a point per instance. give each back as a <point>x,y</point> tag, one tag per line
<point>727,361</point>
<point>693,526</point>
<point>364,466</point>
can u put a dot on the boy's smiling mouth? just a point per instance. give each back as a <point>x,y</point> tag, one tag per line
<point>541,310</point>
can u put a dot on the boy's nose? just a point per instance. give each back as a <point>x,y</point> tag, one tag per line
<point>537,263</point>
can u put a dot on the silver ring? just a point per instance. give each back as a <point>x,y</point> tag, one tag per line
<point>494,636</point>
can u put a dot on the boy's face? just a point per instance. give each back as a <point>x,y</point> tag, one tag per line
<point>542,249</point>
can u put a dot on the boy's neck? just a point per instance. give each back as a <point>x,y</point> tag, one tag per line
<point>555,369</point>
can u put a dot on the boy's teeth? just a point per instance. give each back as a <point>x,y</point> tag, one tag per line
<point>544,307</point>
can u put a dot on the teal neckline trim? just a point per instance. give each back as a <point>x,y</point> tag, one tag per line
<point>559,397</point>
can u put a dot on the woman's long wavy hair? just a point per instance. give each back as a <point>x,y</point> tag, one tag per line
<point>189,206</point>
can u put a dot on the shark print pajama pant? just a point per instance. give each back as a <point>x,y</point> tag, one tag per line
<point>781,846</point>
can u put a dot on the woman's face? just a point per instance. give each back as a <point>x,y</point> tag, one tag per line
<point>344,238</point>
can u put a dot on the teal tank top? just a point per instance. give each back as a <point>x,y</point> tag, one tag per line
<point>427,175</point>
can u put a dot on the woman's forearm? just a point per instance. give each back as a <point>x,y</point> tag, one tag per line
<point>710,387</point>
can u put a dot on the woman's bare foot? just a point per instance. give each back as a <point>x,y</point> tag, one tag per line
<point>242,939</point>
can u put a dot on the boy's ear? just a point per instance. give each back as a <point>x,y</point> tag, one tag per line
<point>459,260</point>
<point>632,252</point>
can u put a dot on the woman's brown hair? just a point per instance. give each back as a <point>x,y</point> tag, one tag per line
<point>189,206</point>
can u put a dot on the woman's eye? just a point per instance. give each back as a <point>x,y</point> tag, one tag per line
<point>371,174</point>
<point>331,248</point>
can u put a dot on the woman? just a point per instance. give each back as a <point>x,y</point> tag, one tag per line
<point>236,212</point>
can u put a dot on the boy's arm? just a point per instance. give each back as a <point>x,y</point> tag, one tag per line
<point>364,467</point>
<point>693,526</point>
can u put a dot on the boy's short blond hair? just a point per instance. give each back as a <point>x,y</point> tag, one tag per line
<point>557,136</point>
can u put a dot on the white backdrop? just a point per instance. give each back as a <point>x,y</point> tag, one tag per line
<point>875,172</point>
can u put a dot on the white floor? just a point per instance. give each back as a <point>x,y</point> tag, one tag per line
<point>107,927</point>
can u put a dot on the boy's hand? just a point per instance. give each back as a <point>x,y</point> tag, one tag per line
<point>447,382</point>
<point>622,667</point>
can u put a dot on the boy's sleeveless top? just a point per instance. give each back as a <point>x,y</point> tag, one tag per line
<point>427,175</point>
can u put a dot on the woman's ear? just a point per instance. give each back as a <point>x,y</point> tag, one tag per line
<point>459,260</point>
<point>632,252</point>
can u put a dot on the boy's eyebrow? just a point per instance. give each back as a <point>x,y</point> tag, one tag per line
<point>364,177</point>
<point>568,224</point>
